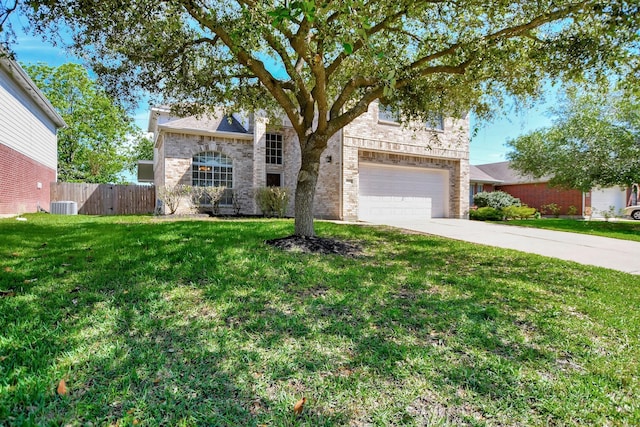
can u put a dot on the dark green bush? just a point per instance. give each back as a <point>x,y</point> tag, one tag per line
<point>486,214</point>
<point>495,199</point>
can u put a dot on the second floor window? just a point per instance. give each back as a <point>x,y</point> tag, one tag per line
<point>274,149</point>
<point>436,123</point>
<point>386,115</point>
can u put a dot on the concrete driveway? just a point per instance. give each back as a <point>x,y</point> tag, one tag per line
<point>621,255</point>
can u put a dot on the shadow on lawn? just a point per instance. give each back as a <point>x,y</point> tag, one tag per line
<point>194,323</point>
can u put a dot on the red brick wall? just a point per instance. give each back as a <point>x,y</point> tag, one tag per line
<point>19,177</point>
<point>536,195</point>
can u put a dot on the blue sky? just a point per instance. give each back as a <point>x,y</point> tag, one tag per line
<point>487,145</point>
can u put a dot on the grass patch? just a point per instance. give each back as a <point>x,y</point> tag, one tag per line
<point>617,230</point>
<point>200,323</point>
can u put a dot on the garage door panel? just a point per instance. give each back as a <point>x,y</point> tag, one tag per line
<point>401,192</point>
<point>373,208</point>
<point>603,198</point>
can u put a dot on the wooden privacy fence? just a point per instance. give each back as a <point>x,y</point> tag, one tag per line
<point>106,199</point>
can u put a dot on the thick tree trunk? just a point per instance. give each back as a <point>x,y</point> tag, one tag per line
<point>305,194</point>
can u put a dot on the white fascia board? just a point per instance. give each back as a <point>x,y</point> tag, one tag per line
<point>24,81</point>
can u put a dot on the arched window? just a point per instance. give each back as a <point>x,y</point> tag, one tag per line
<point>213,169</point>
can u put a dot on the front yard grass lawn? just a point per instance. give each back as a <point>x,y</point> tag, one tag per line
<point>154,322</point>
<point>625,230</point>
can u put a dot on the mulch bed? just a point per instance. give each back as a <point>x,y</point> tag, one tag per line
<point>316,245</point>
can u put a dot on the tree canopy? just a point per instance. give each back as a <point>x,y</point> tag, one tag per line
<point>594,142</point>
<point>93,146</point>
<point>323,62</point>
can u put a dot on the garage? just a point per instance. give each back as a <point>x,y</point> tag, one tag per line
<point>389,192</point>
<point>603,198</point>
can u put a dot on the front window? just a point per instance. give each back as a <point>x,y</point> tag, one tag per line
<point>213,169</point>
<point>274,149</point>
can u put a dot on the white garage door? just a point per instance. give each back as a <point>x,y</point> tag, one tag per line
<point>603,198</point>
<point>402,193</point>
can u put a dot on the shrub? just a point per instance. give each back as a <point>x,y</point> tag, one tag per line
<point>495,199</point>
<point>196,194</point>
<point>610,213</point>
<point>486,213</point>
<point>572,210</point>
<point>272,201</point>
<point>235,202</point>
<point>214,196</point>
<point>552,209</point>
<point>172,196</point>
<point>518,212</point>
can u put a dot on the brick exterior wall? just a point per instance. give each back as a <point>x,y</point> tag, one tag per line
<point>337,189</point>
<point>536,195</point>
<point>177,156</point>
<point>20,177</point>
<point>371,140</point>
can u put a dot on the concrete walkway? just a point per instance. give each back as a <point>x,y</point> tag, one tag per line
<point>621,255</point>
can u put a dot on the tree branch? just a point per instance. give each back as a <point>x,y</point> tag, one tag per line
<point>360,43</point>
<point>273,85</point>
<point>355,83</point>
<point>355,111</point>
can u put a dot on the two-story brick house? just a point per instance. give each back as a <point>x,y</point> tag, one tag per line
<point>28,142</point>
<point>371,170</point>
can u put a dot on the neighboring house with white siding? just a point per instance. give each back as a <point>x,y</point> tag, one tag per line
<point>372,169</point>
<point>28,142</point>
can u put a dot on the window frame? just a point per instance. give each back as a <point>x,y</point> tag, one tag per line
<point>280,179</point>
<point>438,122</point>
<point>274,149</point>
<point>209,168</point>
<point>385,115</point>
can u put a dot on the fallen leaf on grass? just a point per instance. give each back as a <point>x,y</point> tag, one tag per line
<point>7,293</point>
<point>15,254</point>
<point>8,269</point>
<point>27,281</point>
<point>62,388</point>
<point>299,406</point>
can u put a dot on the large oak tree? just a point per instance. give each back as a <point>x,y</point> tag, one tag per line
<point>323,62</point>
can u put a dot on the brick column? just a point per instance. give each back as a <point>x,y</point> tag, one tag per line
<point>463,186</point>
<point>259,156</point>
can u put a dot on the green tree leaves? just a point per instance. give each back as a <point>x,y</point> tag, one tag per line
<point>92,148</point>
<point>594,142</point>
<point>322,63</point>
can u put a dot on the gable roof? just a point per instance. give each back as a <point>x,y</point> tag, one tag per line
<point>219,124</point>
<point>206,124</point>
<point>477,175</point>
<point>504,174</point>
<point>13,69</point>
